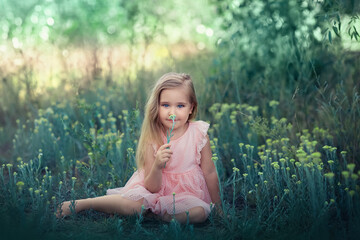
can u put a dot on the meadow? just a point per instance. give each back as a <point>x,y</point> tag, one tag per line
<point>282,103</point>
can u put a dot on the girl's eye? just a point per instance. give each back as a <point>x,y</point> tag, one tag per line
<point>181,106</point>
<point>165,105</point>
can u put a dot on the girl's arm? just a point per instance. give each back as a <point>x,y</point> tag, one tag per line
<point>153,167</point>
<point>210,174</point>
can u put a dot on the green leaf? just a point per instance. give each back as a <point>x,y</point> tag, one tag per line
<point>336,31</point>
<point>330,37</point>
<point>355,33</point>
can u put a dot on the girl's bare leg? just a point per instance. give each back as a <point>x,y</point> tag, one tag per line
<point>108,204</point>
<point>196,215</point>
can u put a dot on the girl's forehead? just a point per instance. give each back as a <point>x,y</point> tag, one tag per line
<point>180,94</point>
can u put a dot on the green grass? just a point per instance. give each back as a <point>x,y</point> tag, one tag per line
<point>274,183</point>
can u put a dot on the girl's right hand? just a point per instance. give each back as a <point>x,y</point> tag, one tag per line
<point>163,155</point>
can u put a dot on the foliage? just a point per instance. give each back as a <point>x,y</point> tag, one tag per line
<point>286,51</point>
<point>266,189</point>
<point>280,91</point>
<point>95,22</point>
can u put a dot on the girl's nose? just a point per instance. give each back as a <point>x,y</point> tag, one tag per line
<point>171,112</point>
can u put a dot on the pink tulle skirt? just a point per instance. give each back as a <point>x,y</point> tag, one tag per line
<point>189,187</point>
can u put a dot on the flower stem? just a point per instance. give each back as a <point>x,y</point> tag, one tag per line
<point>169,132</point>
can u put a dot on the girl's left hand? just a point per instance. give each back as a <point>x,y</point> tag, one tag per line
<point>163,155</point>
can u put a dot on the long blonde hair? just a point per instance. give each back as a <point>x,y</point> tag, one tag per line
<point>151,127</point>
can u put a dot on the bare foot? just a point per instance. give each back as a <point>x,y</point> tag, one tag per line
<point>64,209</point>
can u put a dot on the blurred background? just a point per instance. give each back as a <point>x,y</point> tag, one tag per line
<point>277,80</point>
<point>302,54</point>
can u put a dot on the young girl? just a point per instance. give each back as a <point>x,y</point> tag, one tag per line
<point>176,179</point>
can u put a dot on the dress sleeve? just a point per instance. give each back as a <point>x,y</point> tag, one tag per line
<point>202,128</point>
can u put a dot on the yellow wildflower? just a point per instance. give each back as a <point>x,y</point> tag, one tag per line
<point>20,185</point>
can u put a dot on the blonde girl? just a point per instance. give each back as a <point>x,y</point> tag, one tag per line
<point>176,179</point>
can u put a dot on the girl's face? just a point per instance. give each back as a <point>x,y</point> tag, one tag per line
<point>175,101</point>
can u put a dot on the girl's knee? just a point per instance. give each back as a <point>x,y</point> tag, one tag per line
<point>198,214</point>
<point>138,206</point>
<point>167,217</point>
<point>134,206</point>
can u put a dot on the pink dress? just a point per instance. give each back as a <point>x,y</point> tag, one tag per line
<point>182,176</point>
